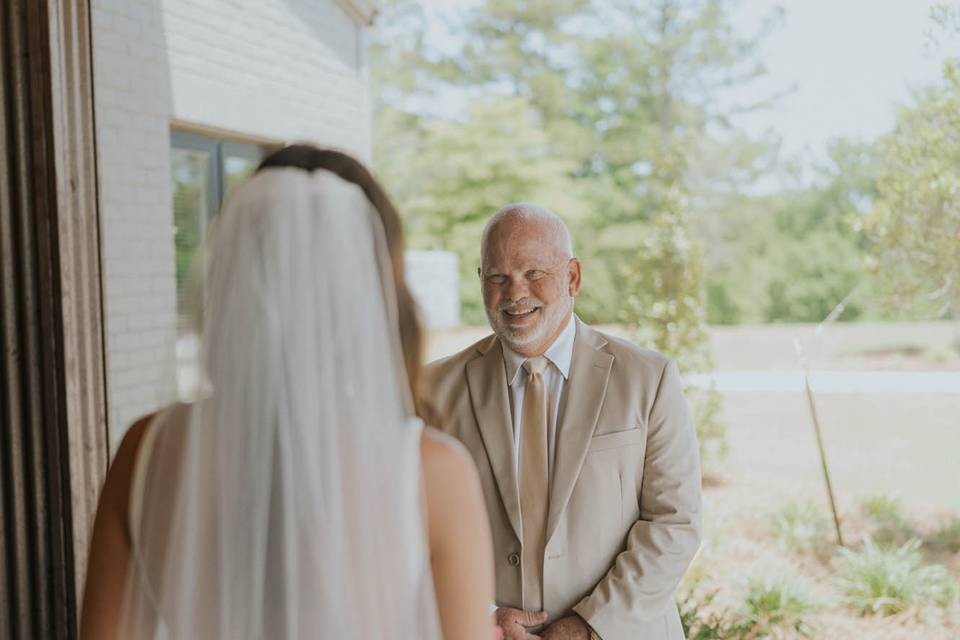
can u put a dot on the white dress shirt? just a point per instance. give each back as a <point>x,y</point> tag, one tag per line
<point>559,354</point>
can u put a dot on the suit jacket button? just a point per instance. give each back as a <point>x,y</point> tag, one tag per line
<point>514,559</point>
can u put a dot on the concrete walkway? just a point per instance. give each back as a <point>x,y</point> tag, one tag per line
<point>829,381</point>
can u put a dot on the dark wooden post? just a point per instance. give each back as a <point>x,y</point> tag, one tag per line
<point>53,432</point>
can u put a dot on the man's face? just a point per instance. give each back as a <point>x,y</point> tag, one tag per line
<point>529,284</point>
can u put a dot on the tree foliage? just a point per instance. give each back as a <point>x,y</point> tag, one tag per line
<point>792,256</point>
<point>455,174</point>
<point>615,114</point>
<point>915,225</point>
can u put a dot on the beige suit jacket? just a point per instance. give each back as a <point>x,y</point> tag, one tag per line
<point>624,516</point>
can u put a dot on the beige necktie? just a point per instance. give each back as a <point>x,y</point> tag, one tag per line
<point>533,482</point>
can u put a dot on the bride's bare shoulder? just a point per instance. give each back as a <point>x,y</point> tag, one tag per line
<point>130,444</point>
<point>115,494</point>
<point>447,466</point>
<point>461,555</point>
<point>119,475</point>
<point>438,442</point>
<point>441,452</point>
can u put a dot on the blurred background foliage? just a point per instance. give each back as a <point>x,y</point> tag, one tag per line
<point>622,117</point>
<point>619,116</point>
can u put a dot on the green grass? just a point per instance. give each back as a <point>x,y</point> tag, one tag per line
<point>802,526</point>
<point>772,603</point>
<point>701,621</point>
<point>886,581</point>
<point>769,604</point>
<point>946,539</point>
<point>886,520</point>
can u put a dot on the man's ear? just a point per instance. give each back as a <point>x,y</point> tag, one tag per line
<point>573,277</point>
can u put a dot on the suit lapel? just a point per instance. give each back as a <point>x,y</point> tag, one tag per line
<point>585,391</point>
<point>487,382</point>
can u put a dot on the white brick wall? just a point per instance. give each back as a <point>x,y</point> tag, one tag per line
<point>279,70</point>
<point>434,279</point>
<point>133,97</point>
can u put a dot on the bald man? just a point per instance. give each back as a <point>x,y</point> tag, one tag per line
<point>584,445</point>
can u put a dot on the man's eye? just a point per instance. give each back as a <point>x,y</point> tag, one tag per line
<point>497,279</point>
<point>535,275</point>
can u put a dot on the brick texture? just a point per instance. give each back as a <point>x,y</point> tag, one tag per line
<point>276,70</point>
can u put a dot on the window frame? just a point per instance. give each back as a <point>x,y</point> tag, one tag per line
<point>216,148</point>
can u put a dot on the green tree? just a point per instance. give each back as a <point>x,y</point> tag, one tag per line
<point>659,97</point>
<point>619,108</point>
<point>915,224</point>
<point>793,255</point>
<point>809,276</point>
<point>464,171</point>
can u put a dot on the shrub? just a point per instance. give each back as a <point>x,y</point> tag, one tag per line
<point>774,603</point>
<point>661,280</point>
<point>946,539</point>
<point>769,604</point>
<point>802,526</point>
<point>706,407</point>
<point>701,621</point>
<point>887,581</point>
<point>887,523</point>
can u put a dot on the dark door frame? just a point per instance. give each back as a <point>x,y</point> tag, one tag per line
<point>53,394</point>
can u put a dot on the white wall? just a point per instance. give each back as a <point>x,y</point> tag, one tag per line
<point>132,110</point>
<point>434,280</point>
<point>277,70</point>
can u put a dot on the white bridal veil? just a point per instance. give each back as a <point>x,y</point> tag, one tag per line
<point>287,504</point>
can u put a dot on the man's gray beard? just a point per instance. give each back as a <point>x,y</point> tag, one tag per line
<point>550,321</point>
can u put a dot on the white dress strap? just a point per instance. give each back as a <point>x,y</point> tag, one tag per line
<point>416,425</point>
<point>139,478</point>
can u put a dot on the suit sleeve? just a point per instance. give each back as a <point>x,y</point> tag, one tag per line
<point>638,589</point>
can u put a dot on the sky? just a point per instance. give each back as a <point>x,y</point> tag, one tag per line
<point>849,62</point>
<point>846,63</point>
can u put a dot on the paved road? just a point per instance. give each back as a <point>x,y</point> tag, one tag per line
<point>829,381</point>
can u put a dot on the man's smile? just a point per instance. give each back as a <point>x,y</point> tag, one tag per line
<point>520,316</point>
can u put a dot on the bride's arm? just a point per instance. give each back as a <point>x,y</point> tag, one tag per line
<point>460,547</point>
<point>110,545</point>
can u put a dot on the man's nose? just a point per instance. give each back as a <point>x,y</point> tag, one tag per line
<point>517,289</point>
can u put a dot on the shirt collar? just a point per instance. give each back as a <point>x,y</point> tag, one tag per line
<point>560,353</point>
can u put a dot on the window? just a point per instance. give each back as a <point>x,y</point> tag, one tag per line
<point>205,170</point>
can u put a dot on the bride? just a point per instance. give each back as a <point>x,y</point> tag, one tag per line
<point>301,498</point>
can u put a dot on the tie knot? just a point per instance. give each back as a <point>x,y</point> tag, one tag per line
<point>535,366</point>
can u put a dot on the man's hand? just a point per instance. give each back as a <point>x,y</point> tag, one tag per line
<point>515,622</point>
<point>571,628</point>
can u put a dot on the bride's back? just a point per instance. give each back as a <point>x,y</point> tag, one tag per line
<point>289,498</point>
<point>287,502</point>
<point>162,458</point>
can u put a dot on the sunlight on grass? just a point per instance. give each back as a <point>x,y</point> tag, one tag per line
<point>802,526</point>
<point>887,520</point>
<point>772,603</point>
<point>879,581</point>
<point>945,539</point>
<point>769,607</point>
